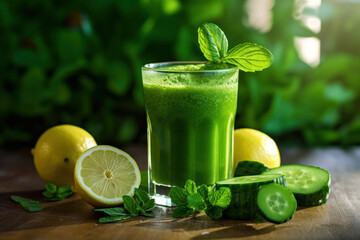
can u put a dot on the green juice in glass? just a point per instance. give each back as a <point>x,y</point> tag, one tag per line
<point>190,115</point>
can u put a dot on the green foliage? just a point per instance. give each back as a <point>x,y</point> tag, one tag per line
<point>213,42</point>
<point>52,193</point>
<point>28,204</point>
<point>142,205</point>
<point>249,57</point>
<point>79,62</point>
<point>191,200</point>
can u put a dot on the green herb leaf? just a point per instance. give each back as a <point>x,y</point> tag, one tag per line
<point>52,193</point>
<point>141,210</point>
<point>182,211</point>
<point>249,57</point>
<point>203,190</point>
<point>196,201</point>
<point>142,196</point>
<point>221,197</point>
<point>115,211</point>
<point>213,42</point>
<point>50,187</point>
<point>214,212</point>
<point>130,205</point>
<point>149,215</point>
<point>178,196</point>
<point>190,187</point>
<point>64,192</point>
<point>28,204</point>
<point>150,205</point>
<point>110,219</point>
<point>48,195</point>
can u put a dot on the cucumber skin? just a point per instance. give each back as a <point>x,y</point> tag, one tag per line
<point>243,204</point>
<point>313,199</point>
<point>272,221</point>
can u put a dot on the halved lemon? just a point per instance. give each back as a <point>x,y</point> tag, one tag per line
<point>104,174</point>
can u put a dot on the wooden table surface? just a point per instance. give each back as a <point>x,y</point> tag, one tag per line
<point>73,218</point>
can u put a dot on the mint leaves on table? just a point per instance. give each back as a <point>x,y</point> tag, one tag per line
<point>248,57</point>
<point>28,204</point>
<point>141,205</point>
<point>52,193</point>
<point>192,199</point>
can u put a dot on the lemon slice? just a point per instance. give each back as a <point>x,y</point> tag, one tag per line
<point>104,174</point>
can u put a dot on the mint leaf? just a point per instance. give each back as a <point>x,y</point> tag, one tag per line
<point>249,57</point>
<point>178,196</point>
<point>64,192</point>
<point>51,188</point>
<point>214,212</point>
<point>142,196</point>
<point>221,197</point>
<point>150,205</point>
<point>130,205</point>
<point>149,215</point>
<point>182,211</point>
<point>190,187</point>
<point>28,204</point>
<point>115,211</point>
<point>110,219</point>
<point>203,190</point>
<point>48,195</point>
<point>196,201</point>
<point>52,193</point>
<point>213,42</point>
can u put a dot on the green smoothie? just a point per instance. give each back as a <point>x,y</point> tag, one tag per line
<point>190,115</point>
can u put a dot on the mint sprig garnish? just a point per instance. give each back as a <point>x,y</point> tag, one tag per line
<point>53,193</point>
<point>141,205</point>
<point>248,57</point>
<point>213,42</point>
<point>191,200</point>
<point>28,204</point>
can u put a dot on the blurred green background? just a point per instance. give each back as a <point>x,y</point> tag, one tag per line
<point>79,62</point>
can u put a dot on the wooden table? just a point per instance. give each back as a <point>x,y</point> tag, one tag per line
<point>73,218</point>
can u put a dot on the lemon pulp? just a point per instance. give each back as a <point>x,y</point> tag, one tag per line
<point>104,174</point>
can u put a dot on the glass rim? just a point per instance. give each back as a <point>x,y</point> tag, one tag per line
<point>153,67</point>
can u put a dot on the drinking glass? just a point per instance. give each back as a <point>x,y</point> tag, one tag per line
<point>190,125</point>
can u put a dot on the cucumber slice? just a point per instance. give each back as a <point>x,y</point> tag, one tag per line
<point>276,203</point>
<point>244,194</point>
<point>246,168</point>
<point>310,185</point>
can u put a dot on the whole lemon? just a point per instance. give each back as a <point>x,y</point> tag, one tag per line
<point>253,145</point>
<point>57,150</point>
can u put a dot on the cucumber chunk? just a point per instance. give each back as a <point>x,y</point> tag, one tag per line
<point>310,185</point>
<point>276,203</point>
<point>246,168</point>
<point>244,194</point>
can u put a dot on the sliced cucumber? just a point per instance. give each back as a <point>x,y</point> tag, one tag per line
<point>244,194</point>
<point>246,168</point>
<point>310,185</point>
<point>276,203</point>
